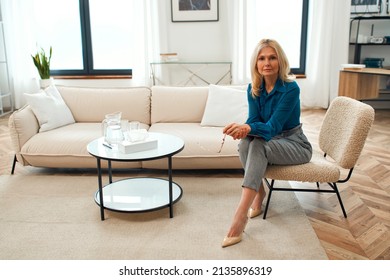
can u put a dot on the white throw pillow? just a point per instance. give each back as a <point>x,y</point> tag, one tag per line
<point>49,108</point>
<point>225,105</point>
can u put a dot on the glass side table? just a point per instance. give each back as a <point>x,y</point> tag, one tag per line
<point>137,194</point>
<point>192,72</point>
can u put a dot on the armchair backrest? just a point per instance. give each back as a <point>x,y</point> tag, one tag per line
<point>344,130</point>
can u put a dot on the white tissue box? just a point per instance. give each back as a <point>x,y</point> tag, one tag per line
<point>128,147</point>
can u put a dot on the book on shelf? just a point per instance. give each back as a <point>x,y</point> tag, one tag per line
<point>168,57</point>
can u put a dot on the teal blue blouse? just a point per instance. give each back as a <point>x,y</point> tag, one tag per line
<point>270,114</point>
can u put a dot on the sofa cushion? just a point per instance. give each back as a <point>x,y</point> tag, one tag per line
<point>225,105</point>
<point>178,104</point>
<point>92,104</point>
<point>65,147</point>
<point>201,147</point>
<point>49,108</point>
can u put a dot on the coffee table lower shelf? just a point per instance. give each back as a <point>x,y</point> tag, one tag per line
<point>138,195</point>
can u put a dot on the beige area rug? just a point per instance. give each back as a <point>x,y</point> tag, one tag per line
<point>55,217</point>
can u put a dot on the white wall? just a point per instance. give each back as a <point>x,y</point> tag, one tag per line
<point>199,41</point>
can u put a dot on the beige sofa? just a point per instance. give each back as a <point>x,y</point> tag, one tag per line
<point>173,110</point>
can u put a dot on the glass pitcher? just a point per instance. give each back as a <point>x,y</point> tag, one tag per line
<point>111,127</point>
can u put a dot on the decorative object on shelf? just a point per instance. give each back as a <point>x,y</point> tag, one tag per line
<point>366,32</point>
<point>351,66</point>
<point>42,63</point>
<point>194,10</point>
<point>388,7</point>
<point>378,40</point>
<point>366,6</point>
<point>371,62</point>
<point>167,57</point>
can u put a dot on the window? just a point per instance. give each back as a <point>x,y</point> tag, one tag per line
<point>284,21</point>
<point>97,37</point>
<point>89,37</point>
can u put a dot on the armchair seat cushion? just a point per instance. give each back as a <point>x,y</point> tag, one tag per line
<point>319,169</point>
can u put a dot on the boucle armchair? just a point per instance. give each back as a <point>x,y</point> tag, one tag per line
<point>341,139</point>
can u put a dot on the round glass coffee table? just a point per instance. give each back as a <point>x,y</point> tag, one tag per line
<point>137,194</point>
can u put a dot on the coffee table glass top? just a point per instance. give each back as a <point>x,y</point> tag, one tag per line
<point>166,145</point>
<point>138,194</point>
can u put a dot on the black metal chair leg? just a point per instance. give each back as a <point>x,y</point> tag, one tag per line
<point>332,185</point>
<point>340,201</point>
<point>13,165</point>
<point>270,187</point>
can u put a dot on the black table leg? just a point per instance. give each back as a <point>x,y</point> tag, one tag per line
<point>170,186</point>
<point>109,172</point>
<point>99,168</point>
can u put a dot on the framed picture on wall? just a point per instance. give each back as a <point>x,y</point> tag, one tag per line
<point>194,10</point>
<point>365,6</point>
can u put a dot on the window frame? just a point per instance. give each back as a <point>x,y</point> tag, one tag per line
<point>303,48</point>
<point>87,52</point>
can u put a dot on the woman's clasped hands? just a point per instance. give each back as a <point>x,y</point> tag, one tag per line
<point>237,131</point>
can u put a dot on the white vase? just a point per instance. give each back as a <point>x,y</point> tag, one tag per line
<point>44,83</point>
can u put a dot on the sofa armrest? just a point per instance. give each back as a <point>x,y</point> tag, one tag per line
<point>22,125</point>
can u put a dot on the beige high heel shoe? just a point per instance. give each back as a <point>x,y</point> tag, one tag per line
<point>254,212</point>
<point>229,241</point>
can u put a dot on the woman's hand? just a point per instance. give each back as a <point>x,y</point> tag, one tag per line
<point>237,131</point>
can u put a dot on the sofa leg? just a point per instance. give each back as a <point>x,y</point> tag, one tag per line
<point>13,165</point>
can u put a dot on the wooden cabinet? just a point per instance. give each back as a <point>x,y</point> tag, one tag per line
<point>361,84</point>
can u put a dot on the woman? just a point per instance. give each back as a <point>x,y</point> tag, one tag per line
<point>271,135</point>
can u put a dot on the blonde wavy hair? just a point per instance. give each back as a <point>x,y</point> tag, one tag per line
<point>284,66</point>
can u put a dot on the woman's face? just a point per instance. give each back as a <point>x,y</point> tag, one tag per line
<point>268,63</point>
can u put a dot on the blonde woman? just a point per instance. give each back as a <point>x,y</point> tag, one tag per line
<point>272,133</point>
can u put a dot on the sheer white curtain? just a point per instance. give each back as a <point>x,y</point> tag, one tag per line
<point>21,42</point>
<point>240,28</point>
<point>150,34</point>
<point>327,46</point>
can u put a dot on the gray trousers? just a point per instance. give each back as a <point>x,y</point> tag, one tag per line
<point>290,147</point>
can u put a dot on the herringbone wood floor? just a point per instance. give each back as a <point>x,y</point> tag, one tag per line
<point>365,234</point>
